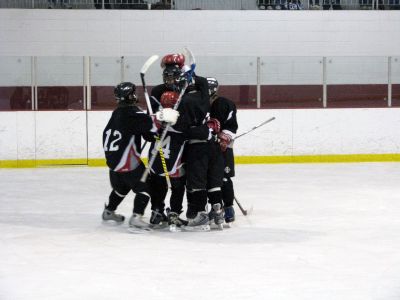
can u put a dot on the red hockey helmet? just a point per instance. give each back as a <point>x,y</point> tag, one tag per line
<point>176,59</point>
<point>168,99</point>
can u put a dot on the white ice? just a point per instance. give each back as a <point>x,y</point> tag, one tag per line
<point>317,231</point>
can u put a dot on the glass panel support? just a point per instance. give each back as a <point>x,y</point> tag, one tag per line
<point>258,82</point>
<point>87,92</point>
<point>122,62</point>
<point>389,81</point>
<point>324,86</point>
<point>34,83</point>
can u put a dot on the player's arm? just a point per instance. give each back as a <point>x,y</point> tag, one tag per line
<point>201,84</point>
<point>230,124</point>
<point>197,132</point>
<point>156,93</point>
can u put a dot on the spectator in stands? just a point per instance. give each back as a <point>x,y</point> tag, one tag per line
<point>161,5</point>
<point>99,3</point>
<point>315,5</point>
<point>394,4</point>
<point>295,5</point>
<point>331,4</point>
<point>63,3</point>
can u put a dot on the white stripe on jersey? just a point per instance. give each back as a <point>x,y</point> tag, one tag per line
<point>177,168</point>
<point>229,115</point>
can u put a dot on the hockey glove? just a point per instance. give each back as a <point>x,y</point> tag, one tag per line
<point>224,140</point>
<point>214,125</point>
<point>168,115</point>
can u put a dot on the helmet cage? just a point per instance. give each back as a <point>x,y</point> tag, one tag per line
<point>125,93</point>
<point>171,77</point>
<point>212,85</point>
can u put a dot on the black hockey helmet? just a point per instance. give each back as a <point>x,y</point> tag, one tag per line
<point>125,93</point>
<point>172,76</point>
<point>212,85</point>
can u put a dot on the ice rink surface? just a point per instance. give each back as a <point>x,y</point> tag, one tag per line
<point>317,231</point>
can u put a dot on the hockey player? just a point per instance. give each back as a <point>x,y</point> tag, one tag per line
<point>194,110</point>
<point>224,110</point>
<point>215,174</point>
<point>171,154</point>
<point>122,144</point>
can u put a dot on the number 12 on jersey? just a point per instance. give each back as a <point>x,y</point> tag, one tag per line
<point>113,143</point>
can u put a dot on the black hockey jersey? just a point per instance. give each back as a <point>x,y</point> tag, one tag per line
<point>195,105</point>
<point>225,111</point>
<point>173,144</point>
<point>194,108</point>
<point>122,137</point>
<point>172,147</point>
<point>156,93</point>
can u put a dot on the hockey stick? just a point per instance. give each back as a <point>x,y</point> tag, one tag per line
<point>164,166</point>
<point>188,53</point>
<point>162,138</point>
<point>163,162</point>
<point>244,211</point>
<point>143,71</point>
<point>255,127</point>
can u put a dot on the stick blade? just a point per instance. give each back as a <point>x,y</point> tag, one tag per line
<point>148,63</point>
<point>189,55</point>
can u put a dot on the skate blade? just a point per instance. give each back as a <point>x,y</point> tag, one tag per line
<point>111,222</point>
<point>174,228</point>
<point>161,226</point>
<point>228,225</point>
<point>199,228</point>
<point>217,226</point>
<point>140,230</point>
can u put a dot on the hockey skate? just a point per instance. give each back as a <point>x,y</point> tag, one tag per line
<point>229,214</point>
<point>175,223</point>
<point>199,223</point>
<point>158,220</point>
<point>111,216</point>
<point>137,225</point>
<point>217,215</point>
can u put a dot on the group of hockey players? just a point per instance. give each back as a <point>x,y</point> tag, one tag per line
<point>191,134</point>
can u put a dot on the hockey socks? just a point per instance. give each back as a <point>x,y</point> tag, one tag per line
<point>140,202</point>
<point>227,192</point>
<point>214,196</point>
<point>114,200</point>
<point>197,201</point>
<point>177,193</point>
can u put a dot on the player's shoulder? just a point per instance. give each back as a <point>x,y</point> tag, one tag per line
<point>158,90</point>
<point>225,102</point>
<point>132,111</point>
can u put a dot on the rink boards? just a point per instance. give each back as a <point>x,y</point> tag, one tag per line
<point>30,139</point>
